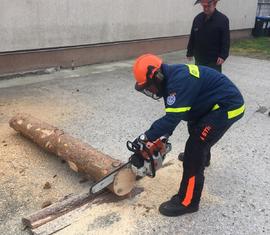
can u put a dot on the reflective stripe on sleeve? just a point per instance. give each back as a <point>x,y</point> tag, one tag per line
<point>194,70</point>
<point>236,112</point>
<point>177,110</point>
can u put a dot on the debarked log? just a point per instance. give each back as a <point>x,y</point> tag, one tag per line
<point>80,156</point>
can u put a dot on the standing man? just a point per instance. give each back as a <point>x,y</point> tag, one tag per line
<point>207,100</point>
<point>209,40</point>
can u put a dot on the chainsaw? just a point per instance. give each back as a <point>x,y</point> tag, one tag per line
<point>146,159</point>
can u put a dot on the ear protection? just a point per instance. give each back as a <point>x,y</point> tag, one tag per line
<point>154,75</point>
<point>159,75</point>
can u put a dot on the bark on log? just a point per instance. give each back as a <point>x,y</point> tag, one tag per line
<point>55,210</point>
<point>80,156</point>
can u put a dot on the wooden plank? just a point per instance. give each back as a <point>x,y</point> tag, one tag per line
<point>57,209</point>
<point>60,222</point>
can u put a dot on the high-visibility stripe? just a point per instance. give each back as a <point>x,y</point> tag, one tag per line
<point>194,70</point>
<point>190,190</point>
<point>236,112</point>
<point>216,106</point>
<point>177,110</point>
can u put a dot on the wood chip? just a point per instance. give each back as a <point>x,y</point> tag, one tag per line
<point>47,185</point>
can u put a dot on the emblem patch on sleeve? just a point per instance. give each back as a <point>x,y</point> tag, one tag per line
<point>171,99</point>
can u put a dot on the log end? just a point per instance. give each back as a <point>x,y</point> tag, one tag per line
<point>124,182</point>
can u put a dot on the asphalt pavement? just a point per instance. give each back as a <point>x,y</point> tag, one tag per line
<point>99,105</point>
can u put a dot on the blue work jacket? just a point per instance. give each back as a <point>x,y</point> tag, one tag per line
<point>190,93</point>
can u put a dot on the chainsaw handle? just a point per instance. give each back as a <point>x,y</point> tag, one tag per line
<point>132,146</point>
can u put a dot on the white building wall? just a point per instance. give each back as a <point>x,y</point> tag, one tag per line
<point>35,24</point>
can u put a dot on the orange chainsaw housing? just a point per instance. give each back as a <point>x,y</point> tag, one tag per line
<point>153,148</point>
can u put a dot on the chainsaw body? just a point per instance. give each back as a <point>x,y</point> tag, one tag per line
<point>148,156</point>
<point>146,159</point>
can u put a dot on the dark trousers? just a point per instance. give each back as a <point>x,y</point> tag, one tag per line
<point>203,134</point>
<point>212,65</point>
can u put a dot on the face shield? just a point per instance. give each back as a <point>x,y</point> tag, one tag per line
<point>151,94</point>
<point>150,91</point>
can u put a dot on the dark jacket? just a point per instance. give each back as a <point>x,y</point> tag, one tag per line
<point>209,39</point>
<point>189,98</point>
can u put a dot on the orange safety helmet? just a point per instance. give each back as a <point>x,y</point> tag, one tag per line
<point>140,68</point>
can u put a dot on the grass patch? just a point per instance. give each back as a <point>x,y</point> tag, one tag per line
<point>255,48</point>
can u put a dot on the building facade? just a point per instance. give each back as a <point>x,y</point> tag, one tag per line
<point>37,34</point>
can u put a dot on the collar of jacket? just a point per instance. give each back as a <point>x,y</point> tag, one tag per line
<point>212,16</point>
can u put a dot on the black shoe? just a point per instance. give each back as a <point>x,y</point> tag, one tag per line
<point>181,158</point>
<point>175,208</point>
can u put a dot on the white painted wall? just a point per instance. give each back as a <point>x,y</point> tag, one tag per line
<point>34,24</point>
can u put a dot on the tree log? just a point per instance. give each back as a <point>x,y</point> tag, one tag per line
<point>80,156</point>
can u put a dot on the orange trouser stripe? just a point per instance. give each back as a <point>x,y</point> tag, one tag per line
<point>190,190</point>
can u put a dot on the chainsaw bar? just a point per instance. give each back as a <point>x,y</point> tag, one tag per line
<point>106,180</point>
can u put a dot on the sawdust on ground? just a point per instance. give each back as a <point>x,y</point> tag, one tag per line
<point>125,216</point>
<point>25,168</point>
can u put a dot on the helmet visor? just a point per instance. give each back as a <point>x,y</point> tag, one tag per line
<point>139,87</point>
<point>148,90</point>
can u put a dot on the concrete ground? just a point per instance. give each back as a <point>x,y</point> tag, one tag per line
<point>99,105</point>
